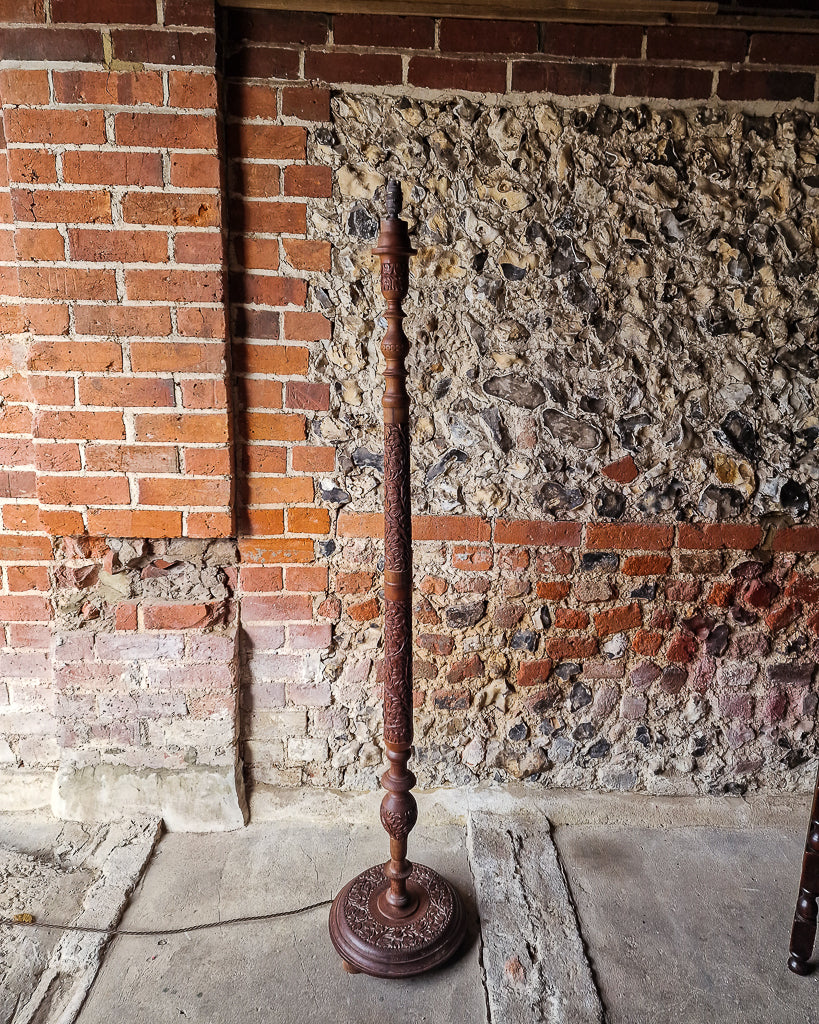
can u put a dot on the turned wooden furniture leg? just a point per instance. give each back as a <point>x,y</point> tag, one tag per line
<point>804,920</point>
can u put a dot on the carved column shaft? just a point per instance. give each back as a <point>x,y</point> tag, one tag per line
<point>398,808</point>
<point>397,919</point>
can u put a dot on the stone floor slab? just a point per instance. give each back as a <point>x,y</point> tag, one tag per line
<point>536,967</point>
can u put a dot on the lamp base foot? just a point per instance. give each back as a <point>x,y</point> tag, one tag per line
<point>369,941</point>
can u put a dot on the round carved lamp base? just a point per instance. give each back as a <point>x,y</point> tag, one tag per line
<point>370,942</point>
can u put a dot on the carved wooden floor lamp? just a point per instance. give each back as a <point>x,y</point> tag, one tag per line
<point>396,919</point>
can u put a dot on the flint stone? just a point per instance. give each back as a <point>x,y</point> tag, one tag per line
<point>535,232</point>
<point>721,502</point>
<point>616,646</point>
<point>464,615</point>
<point>605,122</point>
<point>794,496</point>
<point>592,404</point>
<point>791,674</point>
<point>803,359</point>
<point>553,497</point>
<point>647,592</point>
<point>584,731</point>
<point>512,272</point>
<point>661,497</point>
<point>524,640</point>
<point>741,436</point>
<point>609,504</point>
<point>361,223</point>
<point>580,697</point>
<point>629,429</point>
<point>516,389</point>
<point>673,679</point>
<point>561,749</point>
<point>599,749</point>
<point>496,428</point>
<point>568,670</point>
<point>372,460</point>
<point>566,257</point>
<point>440,467</point>
<point>335,495</point>
<point>518,730</point>
<point>644,675</point>
<point>572,431</point>
<point>325,137</point>
<point>581,294</point>
<point>717,641</point>
<point>600,561</point>
<point>794,758</point>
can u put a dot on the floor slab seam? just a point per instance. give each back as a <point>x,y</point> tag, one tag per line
<point>481,959</point>
<point>578,922</point>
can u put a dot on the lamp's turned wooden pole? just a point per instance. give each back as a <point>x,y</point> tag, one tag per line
<point>396,919</point>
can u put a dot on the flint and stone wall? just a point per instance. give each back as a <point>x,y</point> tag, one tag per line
<point>613,367</point>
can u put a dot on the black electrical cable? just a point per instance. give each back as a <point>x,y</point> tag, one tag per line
<point>11,923</point>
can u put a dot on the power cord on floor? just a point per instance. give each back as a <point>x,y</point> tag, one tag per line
<point>26,921</point>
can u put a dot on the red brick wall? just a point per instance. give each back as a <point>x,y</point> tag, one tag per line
<point>114,180</point>
<point>116,414</point>
<point>122,399</point>
<point>464,55</point>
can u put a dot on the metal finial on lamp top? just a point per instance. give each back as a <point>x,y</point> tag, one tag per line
<point>399,918</point>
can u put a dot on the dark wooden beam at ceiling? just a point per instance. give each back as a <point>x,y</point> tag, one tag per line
<point>802,17</point>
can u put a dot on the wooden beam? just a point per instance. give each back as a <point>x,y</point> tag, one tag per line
<point>520,10</point>
<point>693,13</point>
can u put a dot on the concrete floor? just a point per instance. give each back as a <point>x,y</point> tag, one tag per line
<point>697,920</point>
<point>279,972</point>
<point>683,908</point>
